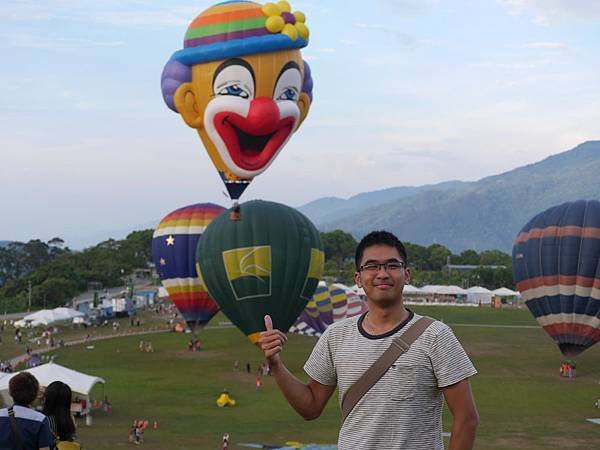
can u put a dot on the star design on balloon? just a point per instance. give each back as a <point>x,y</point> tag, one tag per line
<point>163,262</point>
<point>170,240</point>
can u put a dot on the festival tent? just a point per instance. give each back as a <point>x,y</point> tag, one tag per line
<point>162,292</point>
<point>80,383</point>
<point>505,292</point>
<point>430,289</point>
<point>443,290</point>
<point>48,316</point>
<point>479,295</point>
<point>411,290</point>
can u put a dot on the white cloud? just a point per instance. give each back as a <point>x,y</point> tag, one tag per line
<point>173,17</point>
<point>406,7</point>
<point>132,13</point>
<point>325,50</point>
<point>27,40</point>
<point>550,12</point>
<point>547,45</point>
<point>403,38</point>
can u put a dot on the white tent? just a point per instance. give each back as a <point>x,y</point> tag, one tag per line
<point>444,290</point>
<point>410,289</point>
<point>66,313</point>
<point>452,290</point>
<point>430,289</point>
<point>80,383</point>
<point>48,316</point>
<point>479,295</point>
<point>505,292</point>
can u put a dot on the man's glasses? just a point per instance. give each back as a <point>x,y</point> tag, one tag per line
<point>389,266</point>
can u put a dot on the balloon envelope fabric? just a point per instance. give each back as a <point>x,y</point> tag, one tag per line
<point>267,262</point>
<point>556,265</point>
<point>328,305</point>
<point>241,83</point>
<point>174,252</point>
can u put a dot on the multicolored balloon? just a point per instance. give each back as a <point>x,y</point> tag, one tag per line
<point>268,261</point>
<point>174,252</point>
<point>241,82</point>
<point>328,305</point>
<point>556,265</point>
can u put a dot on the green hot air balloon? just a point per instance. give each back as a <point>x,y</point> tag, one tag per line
<point>266,260</point>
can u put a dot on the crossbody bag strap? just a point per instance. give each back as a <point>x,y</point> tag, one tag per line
<point>400,344</point>
<point>15,429</point>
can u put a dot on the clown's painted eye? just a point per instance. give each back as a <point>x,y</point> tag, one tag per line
<point>288,94</point>
<point>288,85</point>
<point>235,90</point>
<point>234,80</point>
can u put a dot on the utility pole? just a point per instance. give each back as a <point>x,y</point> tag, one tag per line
<point>29,288</point>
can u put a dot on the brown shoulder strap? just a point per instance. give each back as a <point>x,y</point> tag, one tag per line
<point>399,345</point>
<point>15,429</point>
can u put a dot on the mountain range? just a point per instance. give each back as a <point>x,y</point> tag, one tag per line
<point>479,215</point>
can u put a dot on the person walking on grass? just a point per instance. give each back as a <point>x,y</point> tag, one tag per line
<point>20,426</point>
<point>402,409</point>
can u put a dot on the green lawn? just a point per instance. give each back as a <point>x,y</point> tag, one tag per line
<point>521,399</point>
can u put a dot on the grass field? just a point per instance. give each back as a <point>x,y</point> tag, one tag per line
<point>522,402</point>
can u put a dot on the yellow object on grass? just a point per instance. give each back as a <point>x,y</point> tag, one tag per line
<point>225,400</point>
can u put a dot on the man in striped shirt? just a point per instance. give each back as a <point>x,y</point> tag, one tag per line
<point>403,410</point>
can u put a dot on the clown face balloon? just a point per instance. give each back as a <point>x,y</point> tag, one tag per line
<point>241,82</point>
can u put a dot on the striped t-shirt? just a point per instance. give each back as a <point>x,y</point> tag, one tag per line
<point>403,410</point>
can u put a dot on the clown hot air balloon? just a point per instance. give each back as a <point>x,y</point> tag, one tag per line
<point>241,83</point>
<point>268,262</point>
<point>328,305</point>
<point>174,252</point>
<point>556,264</point>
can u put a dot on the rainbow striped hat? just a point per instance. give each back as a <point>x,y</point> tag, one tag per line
<point>237,28</point>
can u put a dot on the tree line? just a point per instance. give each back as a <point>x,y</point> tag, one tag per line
<point>428,264</point>
<point>51,274</point>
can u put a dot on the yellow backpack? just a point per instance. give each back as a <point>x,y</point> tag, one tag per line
<point>67,445</point>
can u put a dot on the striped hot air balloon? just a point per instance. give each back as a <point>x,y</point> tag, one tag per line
<point>328,305</point>
<point>556,264</point>
<point>174,252</point>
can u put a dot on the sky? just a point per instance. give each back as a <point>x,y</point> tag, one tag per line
<point>407,92</point>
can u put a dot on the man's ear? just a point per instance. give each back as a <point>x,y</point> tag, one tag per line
<point>357,279</point>
<point>407,275</point>
<point>185,102</point>
<point>304,106</point>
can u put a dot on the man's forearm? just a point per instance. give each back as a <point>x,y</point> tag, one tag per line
<point>298,394</point>
<point>463,433</point>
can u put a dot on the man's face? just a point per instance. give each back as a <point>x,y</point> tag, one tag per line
<point>382,286</point>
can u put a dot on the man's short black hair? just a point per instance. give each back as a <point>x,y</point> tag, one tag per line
<point>23,388</point>
<point>380,237</point>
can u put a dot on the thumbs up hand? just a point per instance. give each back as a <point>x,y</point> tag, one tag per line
<point>271,342</point>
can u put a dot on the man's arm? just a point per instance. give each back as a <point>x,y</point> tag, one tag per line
<point>459,399</point>
<point>309,399</point>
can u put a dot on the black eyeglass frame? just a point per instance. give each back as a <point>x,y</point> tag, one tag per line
<point>385,265</point>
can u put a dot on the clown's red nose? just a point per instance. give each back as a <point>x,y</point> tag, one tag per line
<point>263,116</point>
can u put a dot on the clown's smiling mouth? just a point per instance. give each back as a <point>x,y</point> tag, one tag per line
<point>252,144</point>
